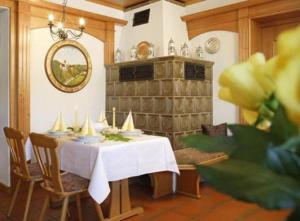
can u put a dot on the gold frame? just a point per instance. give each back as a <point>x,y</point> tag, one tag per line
<point>48,67</point>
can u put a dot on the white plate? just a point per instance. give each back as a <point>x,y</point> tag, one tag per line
<point>135,132</point>
<point>99,127</point>
<point>98,140</point>
<point>89,138</point>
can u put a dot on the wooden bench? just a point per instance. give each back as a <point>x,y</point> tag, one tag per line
<point>188,183</point>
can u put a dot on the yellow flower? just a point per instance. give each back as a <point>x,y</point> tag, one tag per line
<point>239,84</point>
<point>287,72</point>
<point>265,75</point>
<point>288,44</point>
<point>288,88</point>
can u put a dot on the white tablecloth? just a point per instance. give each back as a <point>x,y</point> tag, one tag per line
<point>111,161</point>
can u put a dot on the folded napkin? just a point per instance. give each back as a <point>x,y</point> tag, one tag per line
<point>128,124</point>
<point>59,124</point>
<point>87,128</point>
<point>102,119</point>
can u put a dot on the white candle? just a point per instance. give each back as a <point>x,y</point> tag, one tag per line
<point>114,117</point>
<point>76,123</point>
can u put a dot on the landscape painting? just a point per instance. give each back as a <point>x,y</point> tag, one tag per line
<point>68,66</point>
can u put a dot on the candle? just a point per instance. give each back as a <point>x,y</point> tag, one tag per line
<point>76,123</point>
<point>51,18</point>
<point>114,117</point>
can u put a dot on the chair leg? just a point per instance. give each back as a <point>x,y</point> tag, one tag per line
<point>13,201</point>
<point>45,206</point>
<point>64,209</point>
<point>99,211</point>
<point>78,204</point>
<point>28,201</point>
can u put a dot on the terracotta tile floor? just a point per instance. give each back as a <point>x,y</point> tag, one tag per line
<point>213,206</point>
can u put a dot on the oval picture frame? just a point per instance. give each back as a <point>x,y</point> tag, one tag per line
<point>68,66</point>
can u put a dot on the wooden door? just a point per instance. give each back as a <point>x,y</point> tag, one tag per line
<point>271,28</point>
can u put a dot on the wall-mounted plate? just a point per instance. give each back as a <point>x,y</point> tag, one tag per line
<point>143,51</point>
<point>212,45</point>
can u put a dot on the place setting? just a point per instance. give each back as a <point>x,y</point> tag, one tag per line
<point>59,128</point>
<point>88,133</point>
<point>97,132</point>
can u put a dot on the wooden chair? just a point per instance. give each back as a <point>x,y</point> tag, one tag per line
<point>62,186</point>
<point>23,171</point>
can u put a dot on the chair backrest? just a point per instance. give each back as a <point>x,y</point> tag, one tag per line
<point>15,141</point>
<point>44,148</point>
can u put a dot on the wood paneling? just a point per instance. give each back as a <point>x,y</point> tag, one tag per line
<point>26,15</point>
<point>125,4</point>
<point>270,33</point>
<point>211,23</point>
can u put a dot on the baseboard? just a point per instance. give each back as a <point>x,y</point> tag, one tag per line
<point>5,188</point>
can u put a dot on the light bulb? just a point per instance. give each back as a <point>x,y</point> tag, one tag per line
<point>60,25</point>
<point>51,18</point>
<point>81,22</point>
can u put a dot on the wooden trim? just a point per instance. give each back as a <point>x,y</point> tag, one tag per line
<point>73,11</point>
<point>23,92</point>
<point>176,2</point>
<point>138,5</point>
<point>223,9</point>
<point>190,2</point>
<point>104,3</point>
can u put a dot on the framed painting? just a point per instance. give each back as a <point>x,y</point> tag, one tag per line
<point>68,66</point>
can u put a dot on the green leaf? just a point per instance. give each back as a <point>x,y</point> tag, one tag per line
<point>284,160</point>
<point>210,144</point>
<point>282,128</point>
<point>252,183</point>
<point>295,215</point>
<point>252,143</point>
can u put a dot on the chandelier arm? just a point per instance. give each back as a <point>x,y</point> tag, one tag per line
<point>74,34</point>
<point>51,29</point>
<point>60,32</point>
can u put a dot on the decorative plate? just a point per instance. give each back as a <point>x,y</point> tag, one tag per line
<point>143,51</point>
<point>212,45</point>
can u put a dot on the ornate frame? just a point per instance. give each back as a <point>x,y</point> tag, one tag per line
<point>48,66</point>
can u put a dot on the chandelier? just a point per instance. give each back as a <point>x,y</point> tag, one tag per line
<point>59,31</point>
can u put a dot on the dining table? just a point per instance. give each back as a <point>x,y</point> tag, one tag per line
<point>108,165</point>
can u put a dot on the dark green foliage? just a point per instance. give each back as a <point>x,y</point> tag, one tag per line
<point>263,166</point>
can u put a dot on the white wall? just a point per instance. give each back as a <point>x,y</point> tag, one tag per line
<point>226,56</point>
<point>47,101</point>
<point>209,4</point>
<point>173,26</point>
<point>151,32</point>
<point>4,96</point>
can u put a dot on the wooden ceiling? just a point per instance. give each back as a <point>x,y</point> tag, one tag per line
<point>125,4</point>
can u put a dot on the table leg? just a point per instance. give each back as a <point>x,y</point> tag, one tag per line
<point>120,205</point>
